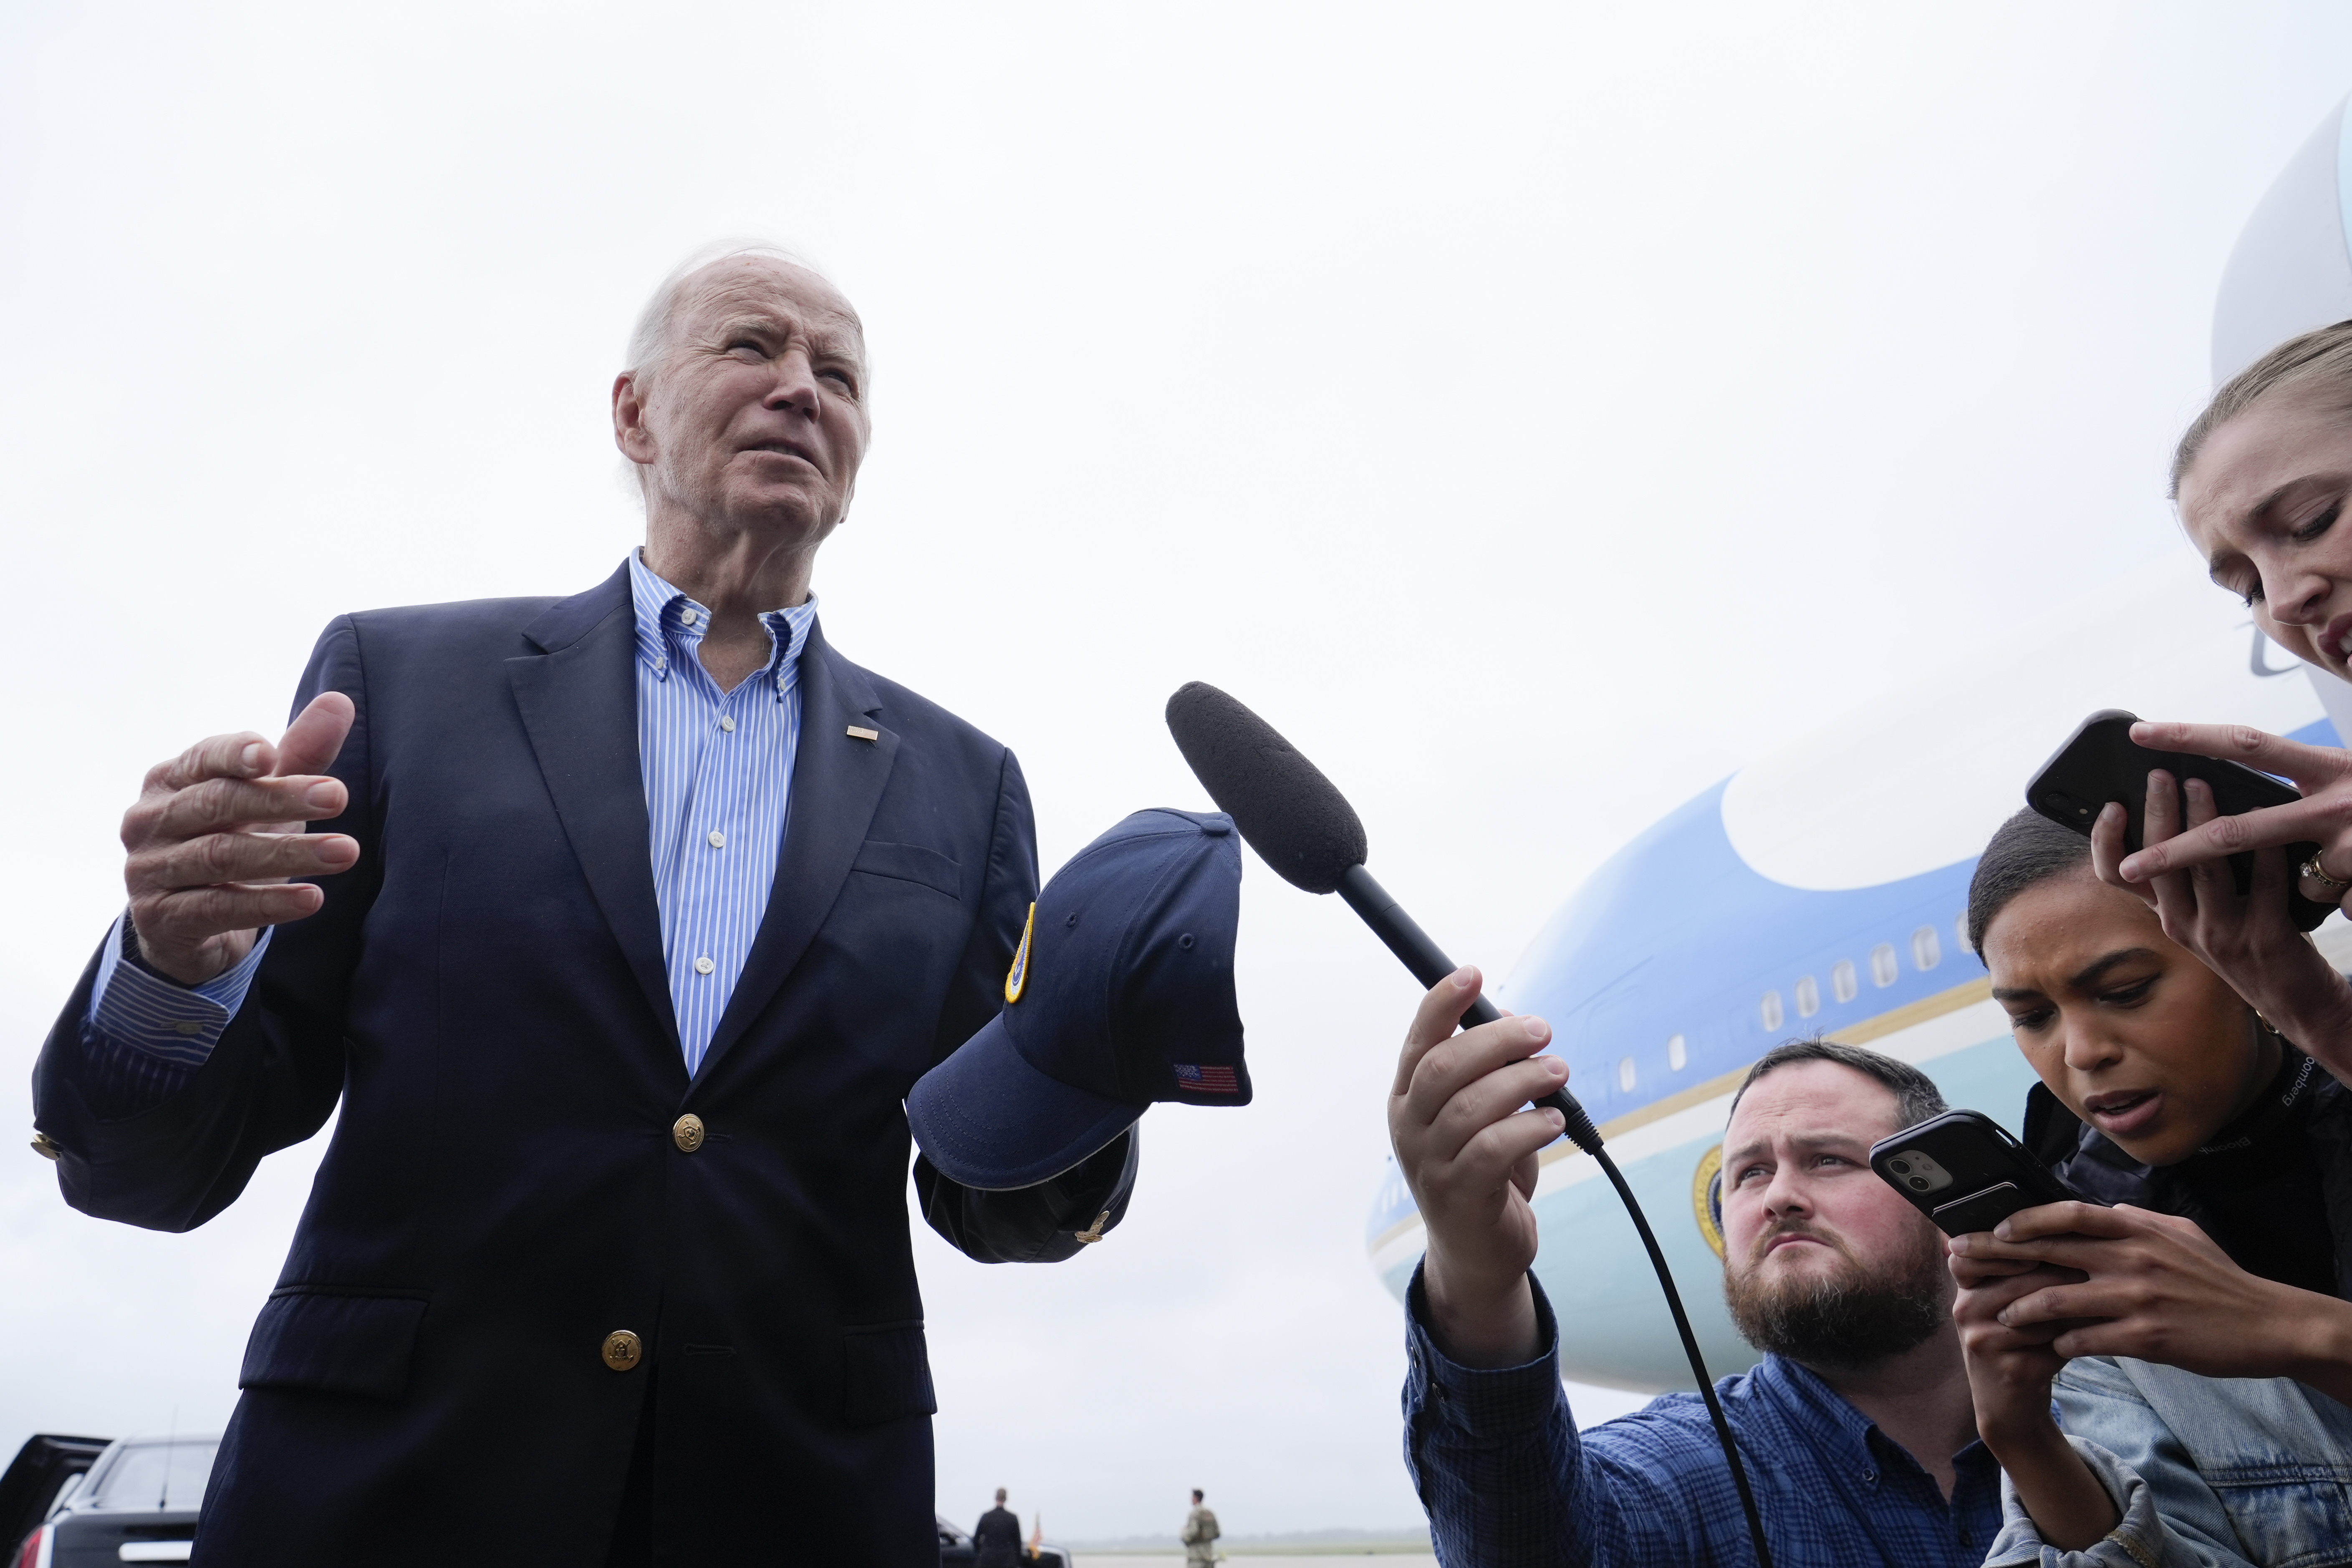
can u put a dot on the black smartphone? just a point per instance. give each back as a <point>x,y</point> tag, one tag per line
<point>1964,1172</point>
<point>2100,761</point>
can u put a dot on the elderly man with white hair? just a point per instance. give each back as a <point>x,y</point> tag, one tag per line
<point>619,925</point>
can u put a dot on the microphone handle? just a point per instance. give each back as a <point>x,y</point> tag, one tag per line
<point>1428,965</point>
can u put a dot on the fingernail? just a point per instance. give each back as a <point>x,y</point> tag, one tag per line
<point>1538,1029</point>
<point>321,794</point>
<point>1557,1067</point>
<point>249,758</point>
<point>1463,978</point>
<point>2130,869</point>
<point>2001,1232</point>
<point>1558,1120</point>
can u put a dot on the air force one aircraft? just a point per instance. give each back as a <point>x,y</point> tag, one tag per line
<point>1823,889</point>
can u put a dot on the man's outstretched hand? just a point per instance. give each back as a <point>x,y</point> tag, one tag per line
<point>218,831</point>
<point>1467,1139</point>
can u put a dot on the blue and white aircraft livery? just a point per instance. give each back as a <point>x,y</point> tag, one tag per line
<point>1822,890</point>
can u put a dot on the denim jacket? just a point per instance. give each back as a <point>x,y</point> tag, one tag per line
<point>2210,1472</point>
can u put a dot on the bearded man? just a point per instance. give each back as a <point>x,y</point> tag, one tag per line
<point>1857,1429</point>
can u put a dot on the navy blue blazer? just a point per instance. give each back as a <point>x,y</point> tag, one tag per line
<point>484,993</point>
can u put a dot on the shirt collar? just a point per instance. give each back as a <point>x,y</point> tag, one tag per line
<point>1848,1439</point>
<point>670,627</point>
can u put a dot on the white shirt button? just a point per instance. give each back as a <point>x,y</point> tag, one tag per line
<point>686,617</point>
<point>189,1027</point>
<point>780,683</point>
<point>718,839</point>
<point>661,663</point>
<point>703,966</point>
<point>728,725</point>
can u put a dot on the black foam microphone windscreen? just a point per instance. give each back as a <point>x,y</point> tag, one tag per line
<point>1295,818</point>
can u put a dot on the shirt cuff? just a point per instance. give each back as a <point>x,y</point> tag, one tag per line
<point>133,1006</point>
<point>1491,1403</point>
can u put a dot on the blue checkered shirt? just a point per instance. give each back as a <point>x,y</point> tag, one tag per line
<point>717,770</point>
<point>1508,1480</point>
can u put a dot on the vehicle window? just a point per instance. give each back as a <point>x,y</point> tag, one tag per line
<point>1881,964</point>
<point>1677,1053</point>
<point>157,1475</point>
<point>1926,951</point>
<point>1771,1009</point>
<point>1625,1076</point>
<point>1842,979</point>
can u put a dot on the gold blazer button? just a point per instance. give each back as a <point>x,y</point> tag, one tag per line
<point>686,1132</point>
<point>622,1349</point>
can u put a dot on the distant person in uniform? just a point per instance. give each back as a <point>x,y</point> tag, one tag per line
<point>996,1539</point>
<point>1200,1532</point>
<point>1858,1428</point>
<point>623,924</point>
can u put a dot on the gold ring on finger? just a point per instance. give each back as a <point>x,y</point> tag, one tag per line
<point>2317,873</point>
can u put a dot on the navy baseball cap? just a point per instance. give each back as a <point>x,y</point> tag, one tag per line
<point>1121,995</point>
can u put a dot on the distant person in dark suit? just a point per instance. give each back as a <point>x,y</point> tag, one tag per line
<point>623,925</point>
<point>996,1539</point>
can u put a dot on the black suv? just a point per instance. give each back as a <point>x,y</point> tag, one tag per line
<point>955,1549</point>
<point>136,1501</point>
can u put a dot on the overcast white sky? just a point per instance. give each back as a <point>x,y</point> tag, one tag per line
<point>1535,410</point>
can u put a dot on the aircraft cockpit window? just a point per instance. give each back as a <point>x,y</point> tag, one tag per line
<point>1625,1076</point>
<point>1771,1011</point>
<point>1809,996</point>
<point>1842,980</point>
<point>1677,1053</point>
<point>1926,951</point>
<point>1881,964</point>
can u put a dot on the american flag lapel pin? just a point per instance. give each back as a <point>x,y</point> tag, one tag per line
<point>860,732</point>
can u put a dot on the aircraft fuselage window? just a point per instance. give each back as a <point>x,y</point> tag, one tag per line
<point>1881,964</point>
<point>1926,951</point>
<point>1677,1054</point>
<point>1809,996</point>
<point>1842,982</point>
<point>1772,1010</point>
<point>1960,929</point>
<point>1625,1075</point>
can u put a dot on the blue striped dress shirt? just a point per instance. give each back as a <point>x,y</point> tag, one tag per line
<point>717,769</point>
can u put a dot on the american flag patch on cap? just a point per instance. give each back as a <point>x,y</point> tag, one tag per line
<point>1206,1081</point>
